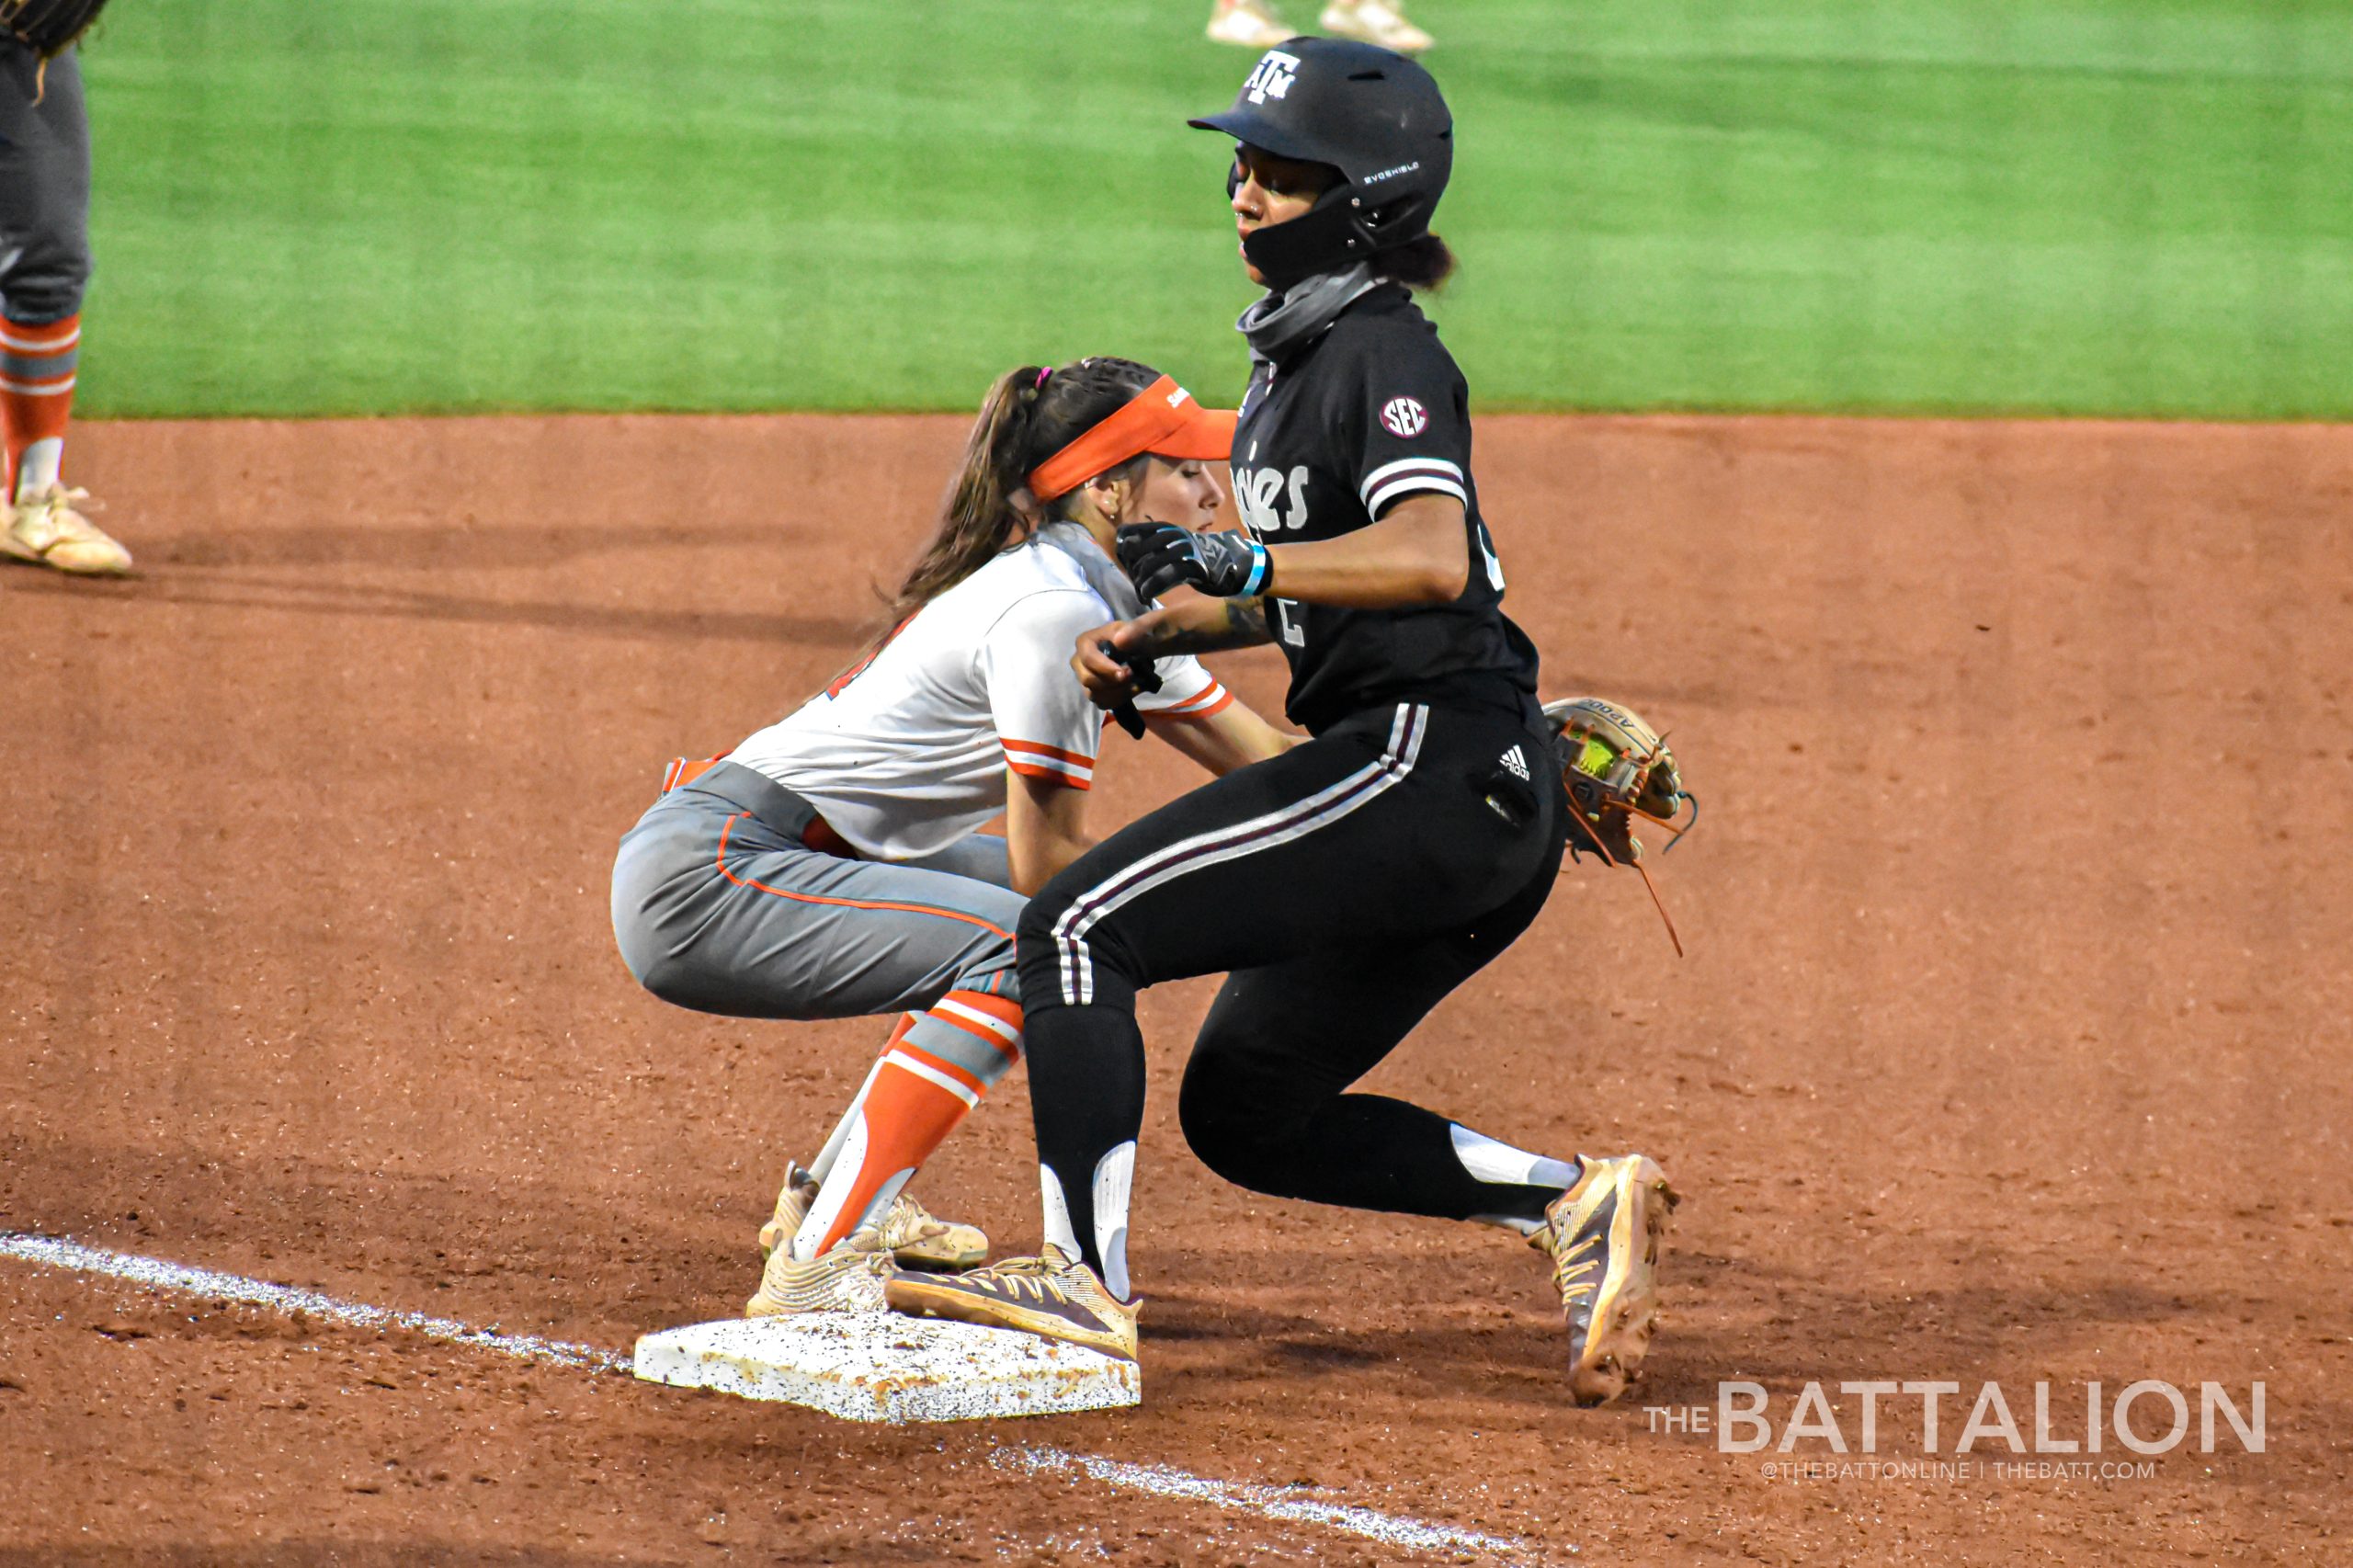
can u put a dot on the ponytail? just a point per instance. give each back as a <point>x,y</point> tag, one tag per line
<point>1420,264</point>
<point>986,510</point>
<point>1029,415</point>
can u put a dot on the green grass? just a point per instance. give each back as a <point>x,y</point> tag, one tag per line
<point>2137,207</point>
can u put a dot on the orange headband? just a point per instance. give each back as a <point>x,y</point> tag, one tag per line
<point>1163,419</point>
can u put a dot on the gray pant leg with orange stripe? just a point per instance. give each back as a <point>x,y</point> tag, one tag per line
<point>719,906</point>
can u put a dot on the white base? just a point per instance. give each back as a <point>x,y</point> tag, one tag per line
<point>884,1367</point>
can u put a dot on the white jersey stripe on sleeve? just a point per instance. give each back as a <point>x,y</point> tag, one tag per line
<point>1074,774</point>
<point>1437,467</point>
<point>1038,748</point>
<point>1407,484</point>
<point>1210,698</point>
<point>1039,767</point>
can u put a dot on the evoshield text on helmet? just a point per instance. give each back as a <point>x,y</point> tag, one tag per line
<point>1376,117</point>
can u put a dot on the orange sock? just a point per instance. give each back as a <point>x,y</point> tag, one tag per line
<point>936,1068</point>
<point>823,1165</point>
<point>37,366</point>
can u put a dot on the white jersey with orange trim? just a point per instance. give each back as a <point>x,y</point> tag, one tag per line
<point>906,752</point>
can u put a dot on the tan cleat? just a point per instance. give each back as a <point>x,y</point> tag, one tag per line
<point>48,531</point>
<point>1250,23</point>
<point>909,1229</point>
<point>1375,21</point>
<point>1051,1295</point>
<point>1603,1237</point>
<point>850,1279</point>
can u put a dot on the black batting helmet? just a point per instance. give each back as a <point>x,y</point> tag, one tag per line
<point>1376,117</point>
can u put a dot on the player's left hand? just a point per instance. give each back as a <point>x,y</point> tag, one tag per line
<point>1161,556</point>
<point>1115,662</point>
<point>1101,669</point>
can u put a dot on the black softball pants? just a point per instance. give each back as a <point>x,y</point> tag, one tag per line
<point>1348,885</point>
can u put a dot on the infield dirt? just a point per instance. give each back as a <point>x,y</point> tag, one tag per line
<point>2011,1044</point>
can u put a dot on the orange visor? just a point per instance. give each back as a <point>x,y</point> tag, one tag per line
<point>1163,419</point>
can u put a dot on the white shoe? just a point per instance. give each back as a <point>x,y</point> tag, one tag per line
<point>1374,22</point>
<point>852,1278</point>
<point>48,531</point>
<point>909,1232</point>
<point>1248,22</point>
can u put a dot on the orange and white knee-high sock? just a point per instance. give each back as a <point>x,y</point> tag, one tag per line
<point>37,365</point>
<point>935,1068</point>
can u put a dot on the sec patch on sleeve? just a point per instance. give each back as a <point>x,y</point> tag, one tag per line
<point>1404,417</point>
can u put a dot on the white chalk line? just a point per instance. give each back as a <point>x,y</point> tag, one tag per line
<point>1268,1502</point>
<point>1271,1501</point>
<point>156,1275</point>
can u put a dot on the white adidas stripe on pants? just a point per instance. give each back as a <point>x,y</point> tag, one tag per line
<point>1220,845</point>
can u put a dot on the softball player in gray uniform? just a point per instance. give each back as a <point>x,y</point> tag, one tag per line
<point>44,265</point>
<point>829,866</point>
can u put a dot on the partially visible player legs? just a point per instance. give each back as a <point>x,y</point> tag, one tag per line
<point>1368,875</point>
<point>1379,839</point>
<point>1369,893</point>
<point>1264,1107</point>
<point>44,267</point>
<point>955,1050</point>
<point>721,908</point>
<point>933,1071</point>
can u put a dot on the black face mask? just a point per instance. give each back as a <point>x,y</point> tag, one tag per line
<point>1336,233</point>
<point>1328,235</point>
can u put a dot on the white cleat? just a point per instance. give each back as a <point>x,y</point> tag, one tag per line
<point>909,1232</point>
<point>853,1278</point>
<point>48,531</point>
<point>1249,24</point>
<point>1374,22</point>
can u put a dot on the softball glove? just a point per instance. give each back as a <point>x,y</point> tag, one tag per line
<point>1617,768</point>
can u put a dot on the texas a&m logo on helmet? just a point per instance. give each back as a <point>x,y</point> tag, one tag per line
<point>1273,77</point>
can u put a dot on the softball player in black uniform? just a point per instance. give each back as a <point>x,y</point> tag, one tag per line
<point>1352,882</point>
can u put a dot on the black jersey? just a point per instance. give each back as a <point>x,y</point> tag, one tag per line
<point>1344,427</point>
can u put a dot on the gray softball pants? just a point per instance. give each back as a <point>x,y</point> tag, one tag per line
<point>719,905</point>
<point>44,188</point>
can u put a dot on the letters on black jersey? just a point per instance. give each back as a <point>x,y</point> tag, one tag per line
<point>1270,501</point>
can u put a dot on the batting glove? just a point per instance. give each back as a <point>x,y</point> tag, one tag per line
<point>1159,556</point>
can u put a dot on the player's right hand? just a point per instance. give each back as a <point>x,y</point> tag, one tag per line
<point>1161,556</point>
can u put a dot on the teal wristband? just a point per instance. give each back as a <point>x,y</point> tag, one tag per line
<point>1262,566</point>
